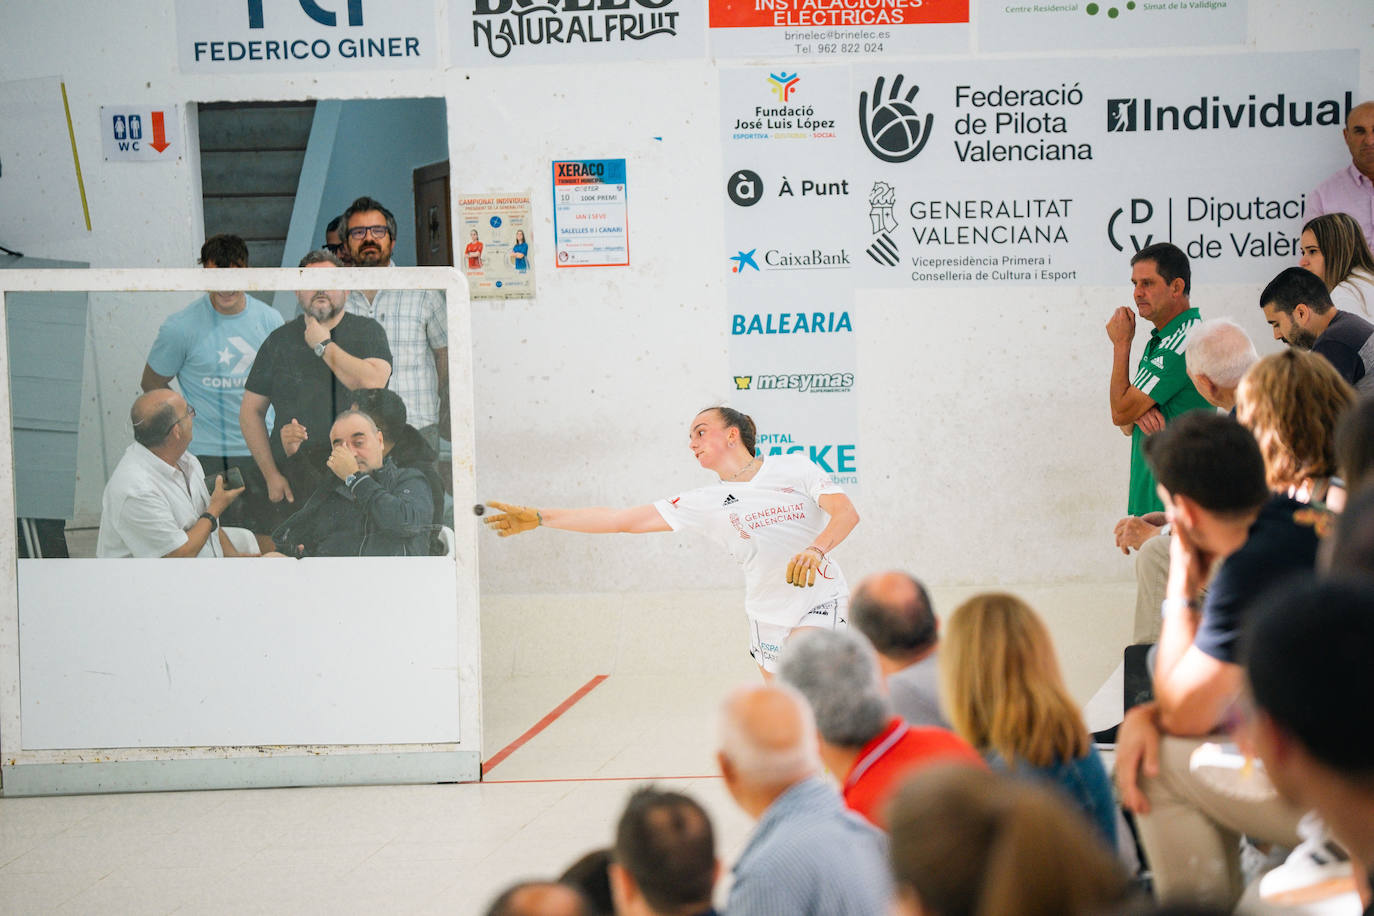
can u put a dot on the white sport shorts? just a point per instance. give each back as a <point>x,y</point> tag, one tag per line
<point>767,639</point>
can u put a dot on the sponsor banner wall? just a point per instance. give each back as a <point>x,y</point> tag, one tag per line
<point>487,32</point>
<point>837,29</point>
<point>1031,172</point>
<point>494,233</point>
<point>792,365</point>
<point>1045,25</point>
<point>267,36</point>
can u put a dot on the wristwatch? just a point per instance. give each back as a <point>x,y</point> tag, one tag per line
<point>351,479</point>
<point>214,522</point>
<point>319,347</point>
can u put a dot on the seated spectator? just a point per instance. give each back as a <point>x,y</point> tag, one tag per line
<point>893,610</point>
<point>807,856</point>
<point>1212,477</point>
<point>156,503</point>
<point>1003,691</point>
<point>1334,248</point>
<point>591,875</point>
<point>869,749</point>
<point>1299,309</point>
<point>1307,661</point>
<point>1355,445</point>
<point>1292,402</point>
<point>1217,353</point>
<point>1350,547</point>
<point>967,842</point>
<point>665,857</point>
<point>334,241</point>
<point>540,898</point>
<point>369,507</point>
<point>404,444</point>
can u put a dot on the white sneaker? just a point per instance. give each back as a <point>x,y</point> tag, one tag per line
<point>1317,869</point>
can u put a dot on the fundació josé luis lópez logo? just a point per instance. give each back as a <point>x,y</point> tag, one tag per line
<point>890,125</point>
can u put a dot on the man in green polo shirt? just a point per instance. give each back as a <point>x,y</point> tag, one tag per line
<point>1160,390</point>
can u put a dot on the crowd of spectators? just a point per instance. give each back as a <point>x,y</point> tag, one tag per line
<point>318,436</point>
<point>898,767</point>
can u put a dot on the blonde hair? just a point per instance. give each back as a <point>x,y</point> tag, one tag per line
<point>1001,687</point>
<point>1291,402</point>
<point>970,842</point>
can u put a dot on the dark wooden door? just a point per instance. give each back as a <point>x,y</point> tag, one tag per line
<point>433,218</point>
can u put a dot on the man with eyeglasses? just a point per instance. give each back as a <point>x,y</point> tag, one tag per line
<point>415,320</point>
<point>208,347</point>
<point>156,503</point>
<point>306,372</point>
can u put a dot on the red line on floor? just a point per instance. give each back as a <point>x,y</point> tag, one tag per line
<point>543,723</point>
<point>508,782</point>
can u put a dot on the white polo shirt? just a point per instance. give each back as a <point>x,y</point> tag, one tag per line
<point>149,505</point>
<point>763,523</point>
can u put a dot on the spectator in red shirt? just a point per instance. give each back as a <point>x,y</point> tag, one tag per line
<point>860,738</point>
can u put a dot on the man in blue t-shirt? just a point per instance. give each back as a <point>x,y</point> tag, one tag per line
<point>208,347</point>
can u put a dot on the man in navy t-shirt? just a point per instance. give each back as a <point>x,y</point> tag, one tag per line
<point>1211,479</point>
<point>1299,309</point>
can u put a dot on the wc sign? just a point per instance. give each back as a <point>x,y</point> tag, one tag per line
<point>131,133</point>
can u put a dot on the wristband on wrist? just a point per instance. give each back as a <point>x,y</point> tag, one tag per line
<point>214,521</point>
<point>817,549</point>
<point>1168,605</point>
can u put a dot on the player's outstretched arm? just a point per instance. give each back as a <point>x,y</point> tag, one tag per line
<point>591,520</point>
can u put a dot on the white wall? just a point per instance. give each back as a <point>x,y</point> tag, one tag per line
<point>583,395</point>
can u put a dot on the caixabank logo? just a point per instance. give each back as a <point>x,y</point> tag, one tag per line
<point>1142,115</point>
<point>501,26</point>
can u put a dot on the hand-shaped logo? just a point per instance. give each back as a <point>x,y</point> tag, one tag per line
<point>891,128</point>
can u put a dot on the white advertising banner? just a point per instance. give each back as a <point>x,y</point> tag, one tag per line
<point>834,30</point>
<point>262,36</point>
<point>1037,25</point>
<point>1032,171</point>
<point>485,32</point>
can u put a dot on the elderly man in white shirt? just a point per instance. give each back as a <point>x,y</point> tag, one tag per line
<point>156,503</point>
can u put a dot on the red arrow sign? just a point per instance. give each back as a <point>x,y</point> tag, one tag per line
<point>159,133</point>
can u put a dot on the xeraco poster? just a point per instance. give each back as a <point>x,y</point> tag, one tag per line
<point>495,246</point>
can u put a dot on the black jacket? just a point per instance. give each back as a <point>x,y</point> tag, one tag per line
<point>387,513</point>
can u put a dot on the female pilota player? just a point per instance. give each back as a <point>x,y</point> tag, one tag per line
<point>779,518</point>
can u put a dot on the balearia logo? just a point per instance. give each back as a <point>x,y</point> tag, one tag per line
<point>804,382</point>
<point>745,187</point>
<point>891,127</point>
<point>1217,113</point>
<point>500,25</point>
<point>791,323</point>
<point>783,84</point>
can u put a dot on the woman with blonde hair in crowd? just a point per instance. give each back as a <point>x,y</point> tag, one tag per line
<point>1333,247</point>
<point>1003,693</point>
<point>1292,402</point>
<point>968,842</point>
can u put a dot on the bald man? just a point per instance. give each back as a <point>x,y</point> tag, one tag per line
<point>540,898</point>
<point>808,855</point>
<point>156,503</point>
<point>893,610</point>
<point>1351,190</point>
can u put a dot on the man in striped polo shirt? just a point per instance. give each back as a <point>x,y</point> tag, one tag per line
<point>1160,390</point>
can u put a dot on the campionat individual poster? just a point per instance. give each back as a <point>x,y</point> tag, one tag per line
<point>591,222</point>
<point>496,245</point>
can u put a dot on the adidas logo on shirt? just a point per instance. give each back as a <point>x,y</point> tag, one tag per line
<point>729,498</point>
<point>1157,362</point>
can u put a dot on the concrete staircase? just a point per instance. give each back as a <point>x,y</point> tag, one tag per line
<point>250,163</point>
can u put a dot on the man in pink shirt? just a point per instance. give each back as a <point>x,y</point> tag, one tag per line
<point>1351,190</point>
